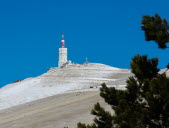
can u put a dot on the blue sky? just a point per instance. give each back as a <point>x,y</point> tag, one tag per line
<point>105,31</point>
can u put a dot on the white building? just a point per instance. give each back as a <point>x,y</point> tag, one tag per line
<point>62,53</point>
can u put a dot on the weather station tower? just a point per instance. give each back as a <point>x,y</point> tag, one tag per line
<point>62,53</point>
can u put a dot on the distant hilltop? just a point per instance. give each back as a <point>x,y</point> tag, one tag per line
<point>75,77</point>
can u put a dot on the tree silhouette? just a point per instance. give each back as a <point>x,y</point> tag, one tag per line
<point>145,102</point>
<point>156,29</point>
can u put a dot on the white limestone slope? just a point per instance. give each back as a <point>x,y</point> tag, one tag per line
<point>57,81</point>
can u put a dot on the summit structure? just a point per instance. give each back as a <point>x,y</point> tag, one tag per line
<point>62,53</point>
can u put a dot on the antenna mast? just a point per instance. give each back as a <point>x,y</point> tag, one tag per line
<point>63,40</point>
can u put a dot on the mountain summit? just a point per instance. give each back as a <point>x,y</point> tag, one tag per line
<point>75,77</point>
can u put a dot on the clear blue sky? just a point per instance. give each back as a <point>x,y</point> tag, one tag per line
<point>105,31</point>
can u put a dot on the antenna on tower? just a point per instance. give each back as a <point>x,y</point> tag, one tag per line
<point>63,40</point>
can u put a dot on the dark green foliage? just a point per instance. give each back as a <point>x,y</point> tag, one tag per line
<point>145,102</point>
<point>158,98</point>
<point>80,125</point>
<point>156,29</point>
<point>109,94</point>
<point>144,68</point>
<point>103,118</point>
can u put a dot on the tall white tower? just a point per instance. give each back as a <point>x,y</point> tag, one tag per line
<point>62,53</point>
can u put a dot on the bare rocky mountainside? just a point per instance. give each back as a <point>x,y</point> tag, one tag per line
<point>60,98</point>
